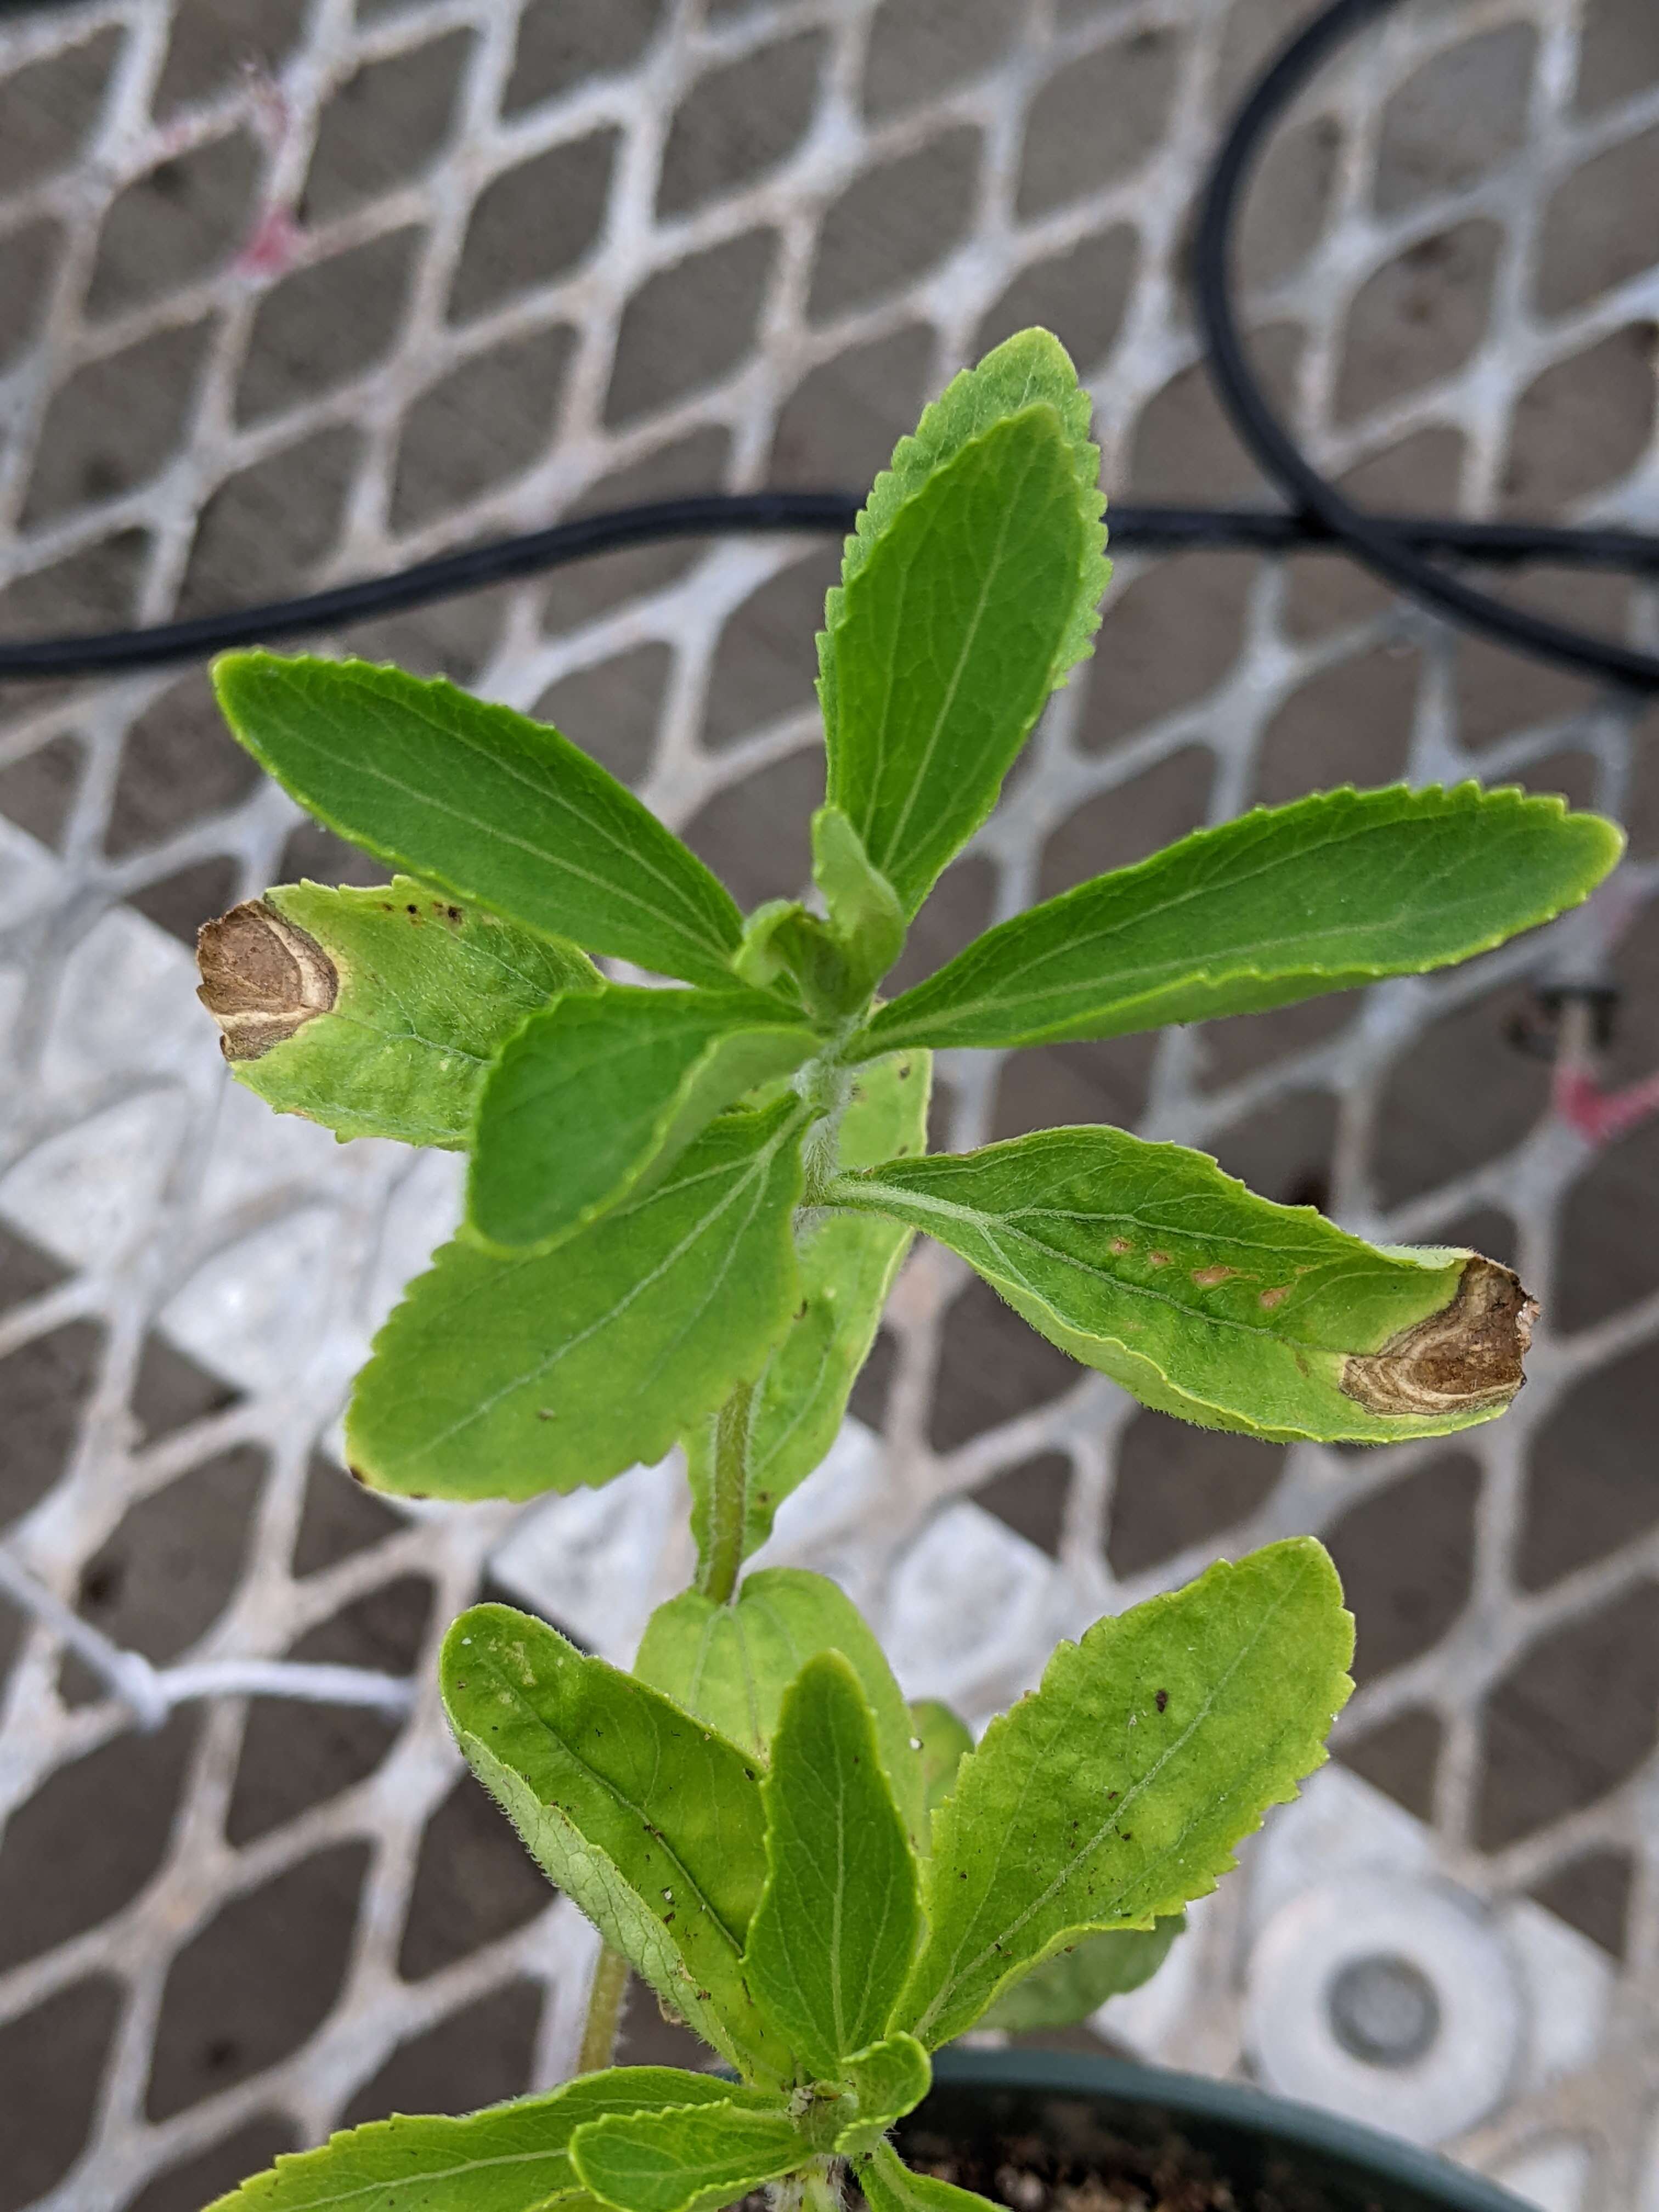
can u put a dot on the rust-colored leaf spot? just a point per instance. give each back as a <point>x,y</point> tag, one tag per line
<point>1207,1278</point>
<point>262,979</point>
<point>1121,1244</point>
<point>1275,1297</point>
<point>1468,1354</point>
<point>1157,1258</point>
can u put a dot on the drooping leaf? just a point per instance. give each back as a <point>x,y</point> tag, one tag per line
<point>376,1012</point>
<point>945,1741</point>
<point>731,1664</point>
<point>847,1267</point>
<point>1146,1261</point>
<point>863,906</point>
<point>596,1096</point>
<point>967,592</point>
<point>1286,902</point>
<point>481,803</point>
<point>509,2158</point>
<point>504,1377</point>
<point>1076,1982</point>
<point>831,1940</point>
<point>685,2161</point>
<point>886,2081</point>
<point>890,2185</point>
<point>647,1818</point>
<point>1114,1794</point>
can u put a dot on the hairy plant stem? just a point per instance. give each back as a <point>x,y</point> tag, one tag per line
<point>826,1084</point>
<point>605,2002</point>
<point>728,1503</point>
<point>815,2188</point>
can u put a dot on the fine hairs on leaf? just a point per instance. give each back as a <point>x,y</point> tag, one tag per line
<point>690,1193</point>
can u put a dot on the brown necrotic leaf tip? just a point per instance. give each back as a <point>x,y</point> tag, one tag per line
<point>262,979</point>
<point>1468,1355</point>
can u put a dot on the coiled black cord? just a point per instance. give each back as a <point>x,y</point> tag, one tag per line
<point>1396,547</point>
<point>1368,538</point>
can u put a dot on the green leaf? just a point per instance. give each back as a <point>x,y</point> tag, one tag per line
<point>1282,904</point>
<point>759,961</point>
<point>886,2081</point>
<point>595,1096</point>
<point>832,1937</point>
<point>1148,1262</point>
<point>890,2185</point>
<point>1076,1982</point>
<point>505,1377</point>
<point>968,591</point>
<point>509,2158</point>
<point>376,1012</point>
<point>647,1818</point>
<point>731,1664</point>
<point>1114,1794</point>
<point>481,803</point>
<point>681,2162</point>
<point>946,1742</point>
<point>863,906</point>
<point>848,1265</point>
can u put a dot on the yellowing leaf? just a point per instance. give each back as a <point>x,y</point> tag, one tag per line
<point>1116,1793</point>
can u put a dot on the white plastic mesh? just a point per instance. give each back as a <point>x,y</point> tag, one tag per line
<point>1450,154</point>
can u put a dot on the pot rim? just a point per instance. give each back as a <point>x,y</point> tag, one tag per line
<point>1236,2103</point>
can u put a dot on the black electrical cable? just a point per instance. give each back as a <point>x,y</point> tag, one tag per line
<point>1393,545</point>
<point>1367,537</point>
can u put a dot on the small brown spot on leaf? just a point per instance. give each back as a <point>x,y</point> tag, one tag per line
<point>1468,1354</point>
<point>1162,1700</point>
<point>262,979</point>
<point>1121,1244</point>
<point>1157,1258</point>
<point>1277,1297</point>
<point>1207,1278</point>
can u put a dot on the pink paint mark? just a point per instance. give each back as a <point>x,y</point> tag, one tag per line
<point>1601,1115</point>
<point>273,245</point>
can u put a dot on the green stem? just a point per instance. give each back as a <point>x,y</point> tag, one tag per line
<point>823,2191</point>
<point>604,2003</point>
<point>728,1503</point>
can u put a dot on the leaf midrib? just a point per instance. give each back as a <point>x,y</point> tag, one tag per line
<point>1122,1807</point>
<point>433,2174</point>
<point>758,1164</point>
<point>987,1225</point>
<point>449,734</point>
<point>624,1803</point>
<point>1151,976</point>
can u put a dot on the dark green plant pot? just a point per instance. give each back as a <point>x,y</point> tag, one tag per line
<point>1298,2155</point>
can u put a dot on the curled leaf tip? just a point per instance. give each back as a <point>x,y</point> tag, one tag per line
<point>263,979</point>
<point>1469,1354</point>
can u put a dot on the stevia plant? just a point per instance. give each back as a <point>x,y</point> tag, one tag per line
<point>685,1208</point>
<point>775,1853</point>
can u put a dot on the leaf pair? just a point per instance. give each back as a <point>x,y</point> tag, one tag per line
<point>705,1862</point>
<point>1108,1798</point>
<point>518,2157</point>
<point>505,1377</point>
<point>508,1375</point>
<point>773,1898</point>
